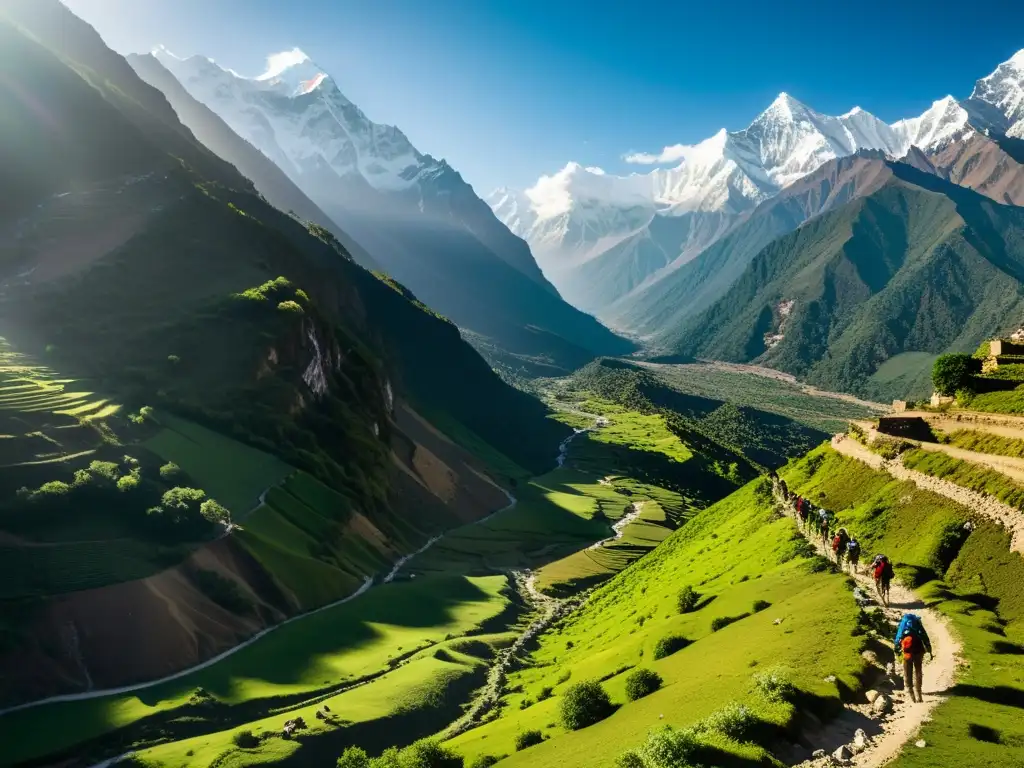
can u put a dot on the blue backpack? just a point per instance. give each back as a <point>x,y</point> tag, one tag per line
<point>909,624</point>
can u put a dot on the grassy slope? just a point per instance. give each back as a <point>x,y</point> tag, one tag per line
<point>966,474</point>
<point>980,723</point>
<point>289,665</point>
<point>734,553</point>
<point>985,442</point>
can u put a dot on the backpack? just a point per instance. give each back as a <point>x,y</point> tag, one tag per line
<point>910,624</point>
<point>853,549</point>
<point>888,572</point>
<point>911,646</point>
<point>879,570</point>
<point>836,542</point>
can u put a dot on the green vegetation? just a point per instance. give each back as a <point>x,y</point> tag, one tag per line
<point>642,682</point>
<point>670,644</point>
<point>1008,401</point>
<point>735,552</point>
<point>985,442</point>
<point>528,739</point>
<point>292,672</point>
<point>953,372</point>
<point>687,599</point>
<point>584,704</point>
<point>966,473</point>
<point>975,583</point>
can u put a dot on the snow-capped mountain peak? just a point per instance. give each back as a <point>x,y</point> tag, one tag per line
<point>945,121</point>
<point>1000,95</point>
<point>295,114</point>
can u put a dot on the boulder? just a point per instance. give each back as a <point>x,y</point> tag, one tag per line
<point>871,658</point>
<point>860,738</point>
<point>842,754</point>
<point>871,696</point>
<point>881,705</point>
<point>818,754</point>
<point>921,743</point>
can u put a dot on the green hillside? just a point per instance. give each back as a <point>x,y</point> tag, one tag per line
<point>918,266</point>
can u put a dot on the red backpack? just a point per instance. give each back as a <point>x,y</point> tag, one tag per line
<point>837,542</point>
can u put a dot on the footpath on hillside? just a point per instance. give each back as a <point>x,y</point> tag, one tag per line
<point>1009,517</point>
<point>872,734</point>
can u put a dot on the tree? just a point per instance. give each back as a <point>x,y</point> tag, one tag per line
<point>354,757</point>
<point>953,372</point>
<point>583,704</point>
<point>526,739</point>
<point>687,599</point>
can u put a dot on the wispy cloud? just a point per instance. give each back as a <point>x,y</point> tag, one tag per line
<point>672,154</point>
<point>279,62</point>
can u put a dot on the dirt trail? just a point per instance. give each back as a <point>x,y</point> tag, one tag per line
<point>888,735</point>
<point>1009,517</point>
<point>993,423</point>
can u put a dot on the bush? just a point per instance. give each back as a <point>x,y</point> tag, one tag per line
<point>760,605</point>
<point>527,739</point>
<point>545,693</point>
<point>775,684</point>
<point>723,621</point>
<point>670,747</point>
<point>353,757</point>
<point>170,471</point>
<point>687,599</point>
<point>214,512</point>
<point>668,645</point>
<point>484,761</point>
<point>734,720</point>
<point>428,754</point>
<point>290,306</point>
<point>953,372</point>
<point>245,739</point>
<point>128,482</point>
<point>583,704</point>
<point>630,759</point>
<point>642,682</point>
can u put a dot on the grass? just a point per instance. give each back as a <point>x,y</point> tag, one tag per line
<point>907,364</point>
<point>325,650</point>
<point>977,586</point>
<point>985,442</point>
<point>1009,401</point>
<point>966,474</point>
<point>643,433</point>
<point>737,553</point>
<point>231,472</point>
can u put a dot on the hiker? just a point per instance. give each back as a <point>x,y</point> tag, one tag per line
<point>802,512</point>
<point>883,572</point>
<point>826,520</point>
<point>912,642</point>
<point>853,554</point>
<point>839,542</point>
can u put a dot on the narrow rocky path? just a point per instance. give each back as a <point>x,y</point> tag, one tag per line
<point>1009,517</point>
<point>872,734</point>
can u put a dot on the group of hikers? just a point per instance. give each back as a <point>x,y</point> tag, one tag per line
<point>911,641</point>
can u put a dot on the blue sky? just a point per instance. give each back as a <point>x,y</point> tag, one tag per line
<point>506,91</point>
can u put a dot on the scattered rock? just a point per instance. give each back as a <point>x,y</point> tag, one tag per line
<point>921,743</point>
<point>860,738</point>
<point>881,705</point>
<point>777,622</point>
<point>890,669</point>
<point>818,754</point>
<point>842,754</point>
<point>830,679</point>
<point>871,696</point>
<point>871,658</point>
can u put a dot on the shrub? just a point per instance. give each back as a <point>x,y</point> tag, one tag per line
<point>642,682</point>
<point>583,704</point>
<point>953,372</point>
<point>723,621</point>
<point>760,605</point>
<point>687,599</point>
<point>214,512</point>
<point>733,720</point>
<point>670,747</point>
<point>630,759</point>
<point>428,754</point>
<point>668,645</point>
<point>53,490</point>
<point>181,502</point>
<point>545,693</point>
<point>173,359</point>
<point>245,739</point>
<point>108,470</point>
<point>353,757</point>
<point>170,471</point>
<point>290,306</point>
<point>484,761</point>
<point>128,482</point>
<point>527,739</point>
<point>775,684</point>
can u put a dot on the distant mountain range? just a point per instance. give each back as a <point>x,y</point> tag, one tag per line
<point>619,246</point>
<point>396,208</point>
